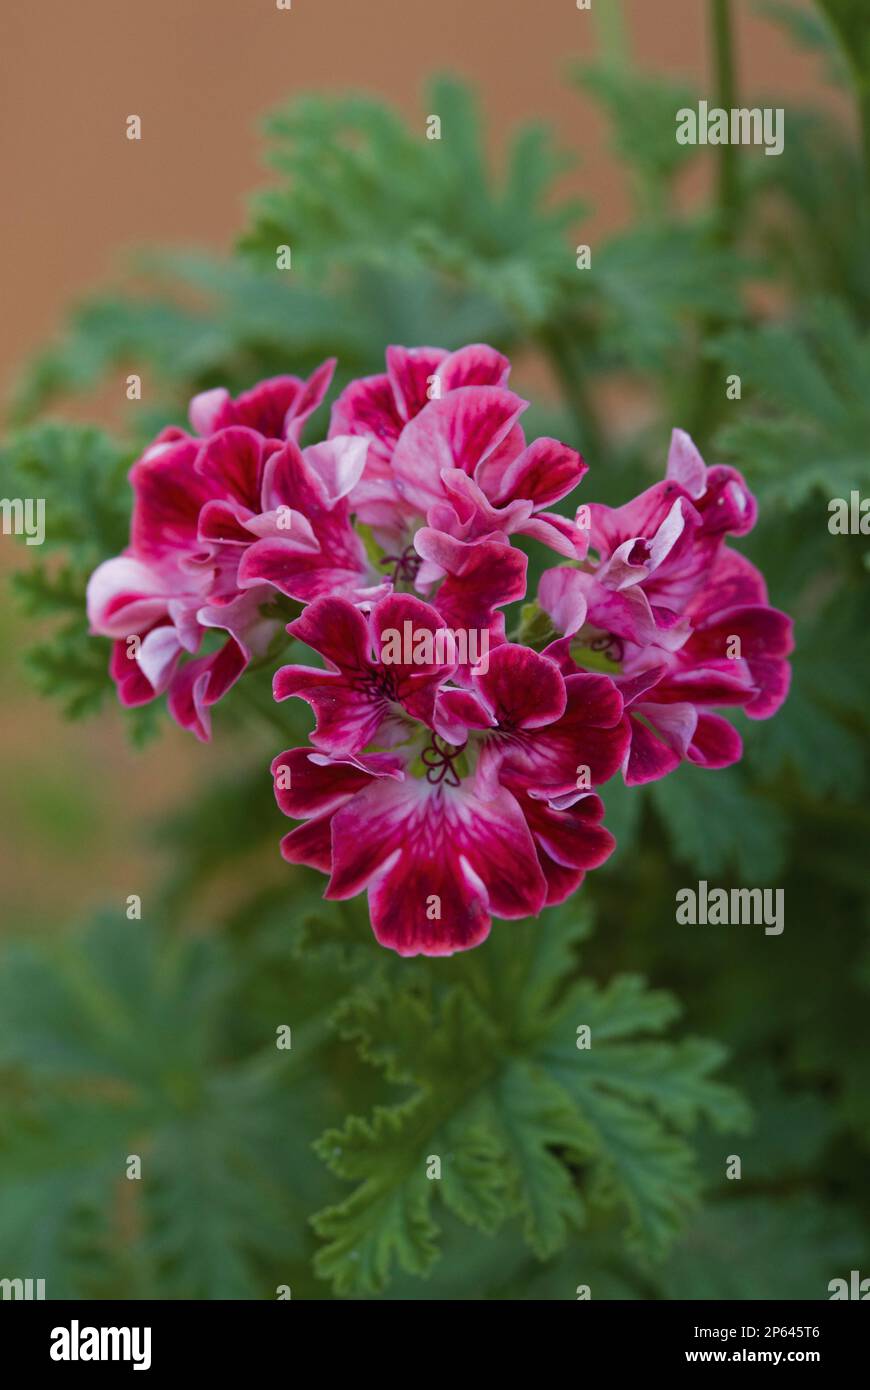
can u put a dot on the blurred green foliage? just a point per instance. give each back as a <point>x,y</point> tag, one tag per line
<point>561,1167</point>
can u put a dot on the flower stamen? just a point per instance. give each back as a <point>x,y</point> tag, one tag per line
<point>439,758</point>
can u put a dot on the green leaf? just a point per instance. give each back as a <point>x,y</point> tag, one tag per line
<point>647,283</point>
<point>806,433</point>
<point>642,111</point>
<point>343,162</point>
<point>387,1215</point>
<point>850,21</point>
<point>756,1248</point>
<point>115,1045</point>
<point>716,823</point>
<point>81,475</point>
<point>521,1119</point>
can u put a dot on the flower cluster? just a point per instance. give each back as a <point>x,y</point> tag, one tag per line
<point>453,767</point>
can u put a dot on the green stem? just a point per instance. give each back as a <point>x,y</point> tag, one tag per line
<point>705,401</point>
<point>729,196</point>
<point>610,22</point>
<point>855,47</point>
<point>864,113</point>
<point>560,344</point>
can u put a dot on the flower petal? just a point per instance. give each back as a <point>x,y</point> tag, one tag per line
<point>543,472</point>
<point>461,430</point>
<point>523,689</point>
<point>475,365</point>
<point>410,371</point>
<point>437,861</point>
<point>562,596</point>
<point>716,742</point>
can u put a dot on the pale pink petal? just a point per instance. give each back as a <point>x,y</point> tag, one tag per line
<point>562,596</point>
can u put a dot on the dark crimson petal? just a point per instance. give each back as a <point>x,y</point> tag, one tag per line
<point>409,371</point>
<point>461,430</point>
<point>716,742</point>
<point>401,921</point>
<point>391,614</point>
<point>367,407</point>
<point>200,683</point>
<point>727,505</point>
<point>412,842</point>
<point>458,711</point>
<point>591,733</point>
<point>266,406</point>
<point>765,640</point>
<point>773,678</point>
<point>338,631</point>
<point>485,576</point>
<point>545,472</point>
<point>716,683</point>
<point>572,837</point>
<point>130,681</point>
<point>631,688</point>
<point>297,573</point>
<point>224,522</point>
<point>348,715</point>
<point>275,407</point>
<point>523,689</point>
<point>732,582</point>
<point>650,758</point>
<point>763,632</point>
<point>310,844</point>
<point>169,495</point>
<point>561,882</point>
<point>232,462</point>
<point>318,784</point>
<point>642,516</point>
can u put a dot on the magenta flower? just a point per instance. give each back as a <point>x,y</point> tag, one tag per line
<point>276,408</point>
<point>377,408</point>
<point>219,525</point>
<point>480,816</point>
<point>682,622</point>
<point>451,772</point>
<point>365,690</point>
<point>445,445</point>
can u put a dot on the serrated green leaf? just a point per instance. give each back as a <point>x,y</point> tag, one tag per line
<point>491,1053</point>
<point>808,432</point>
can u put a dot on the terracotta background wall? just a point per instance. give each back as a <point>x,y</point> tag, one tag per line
<point>75,193</point>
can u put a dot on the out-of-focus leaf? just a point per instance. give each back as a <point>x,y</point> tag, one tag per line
<point>510,1105</point>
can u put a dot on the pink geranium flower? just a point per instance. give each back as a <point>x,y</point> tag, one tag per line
<point>445,445</point>
<point>362,692</point>
<point>471,812</point>
<point>451,773</point>
<point>219,527</point>
<point>683,622</point>
<point>277,407</point>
